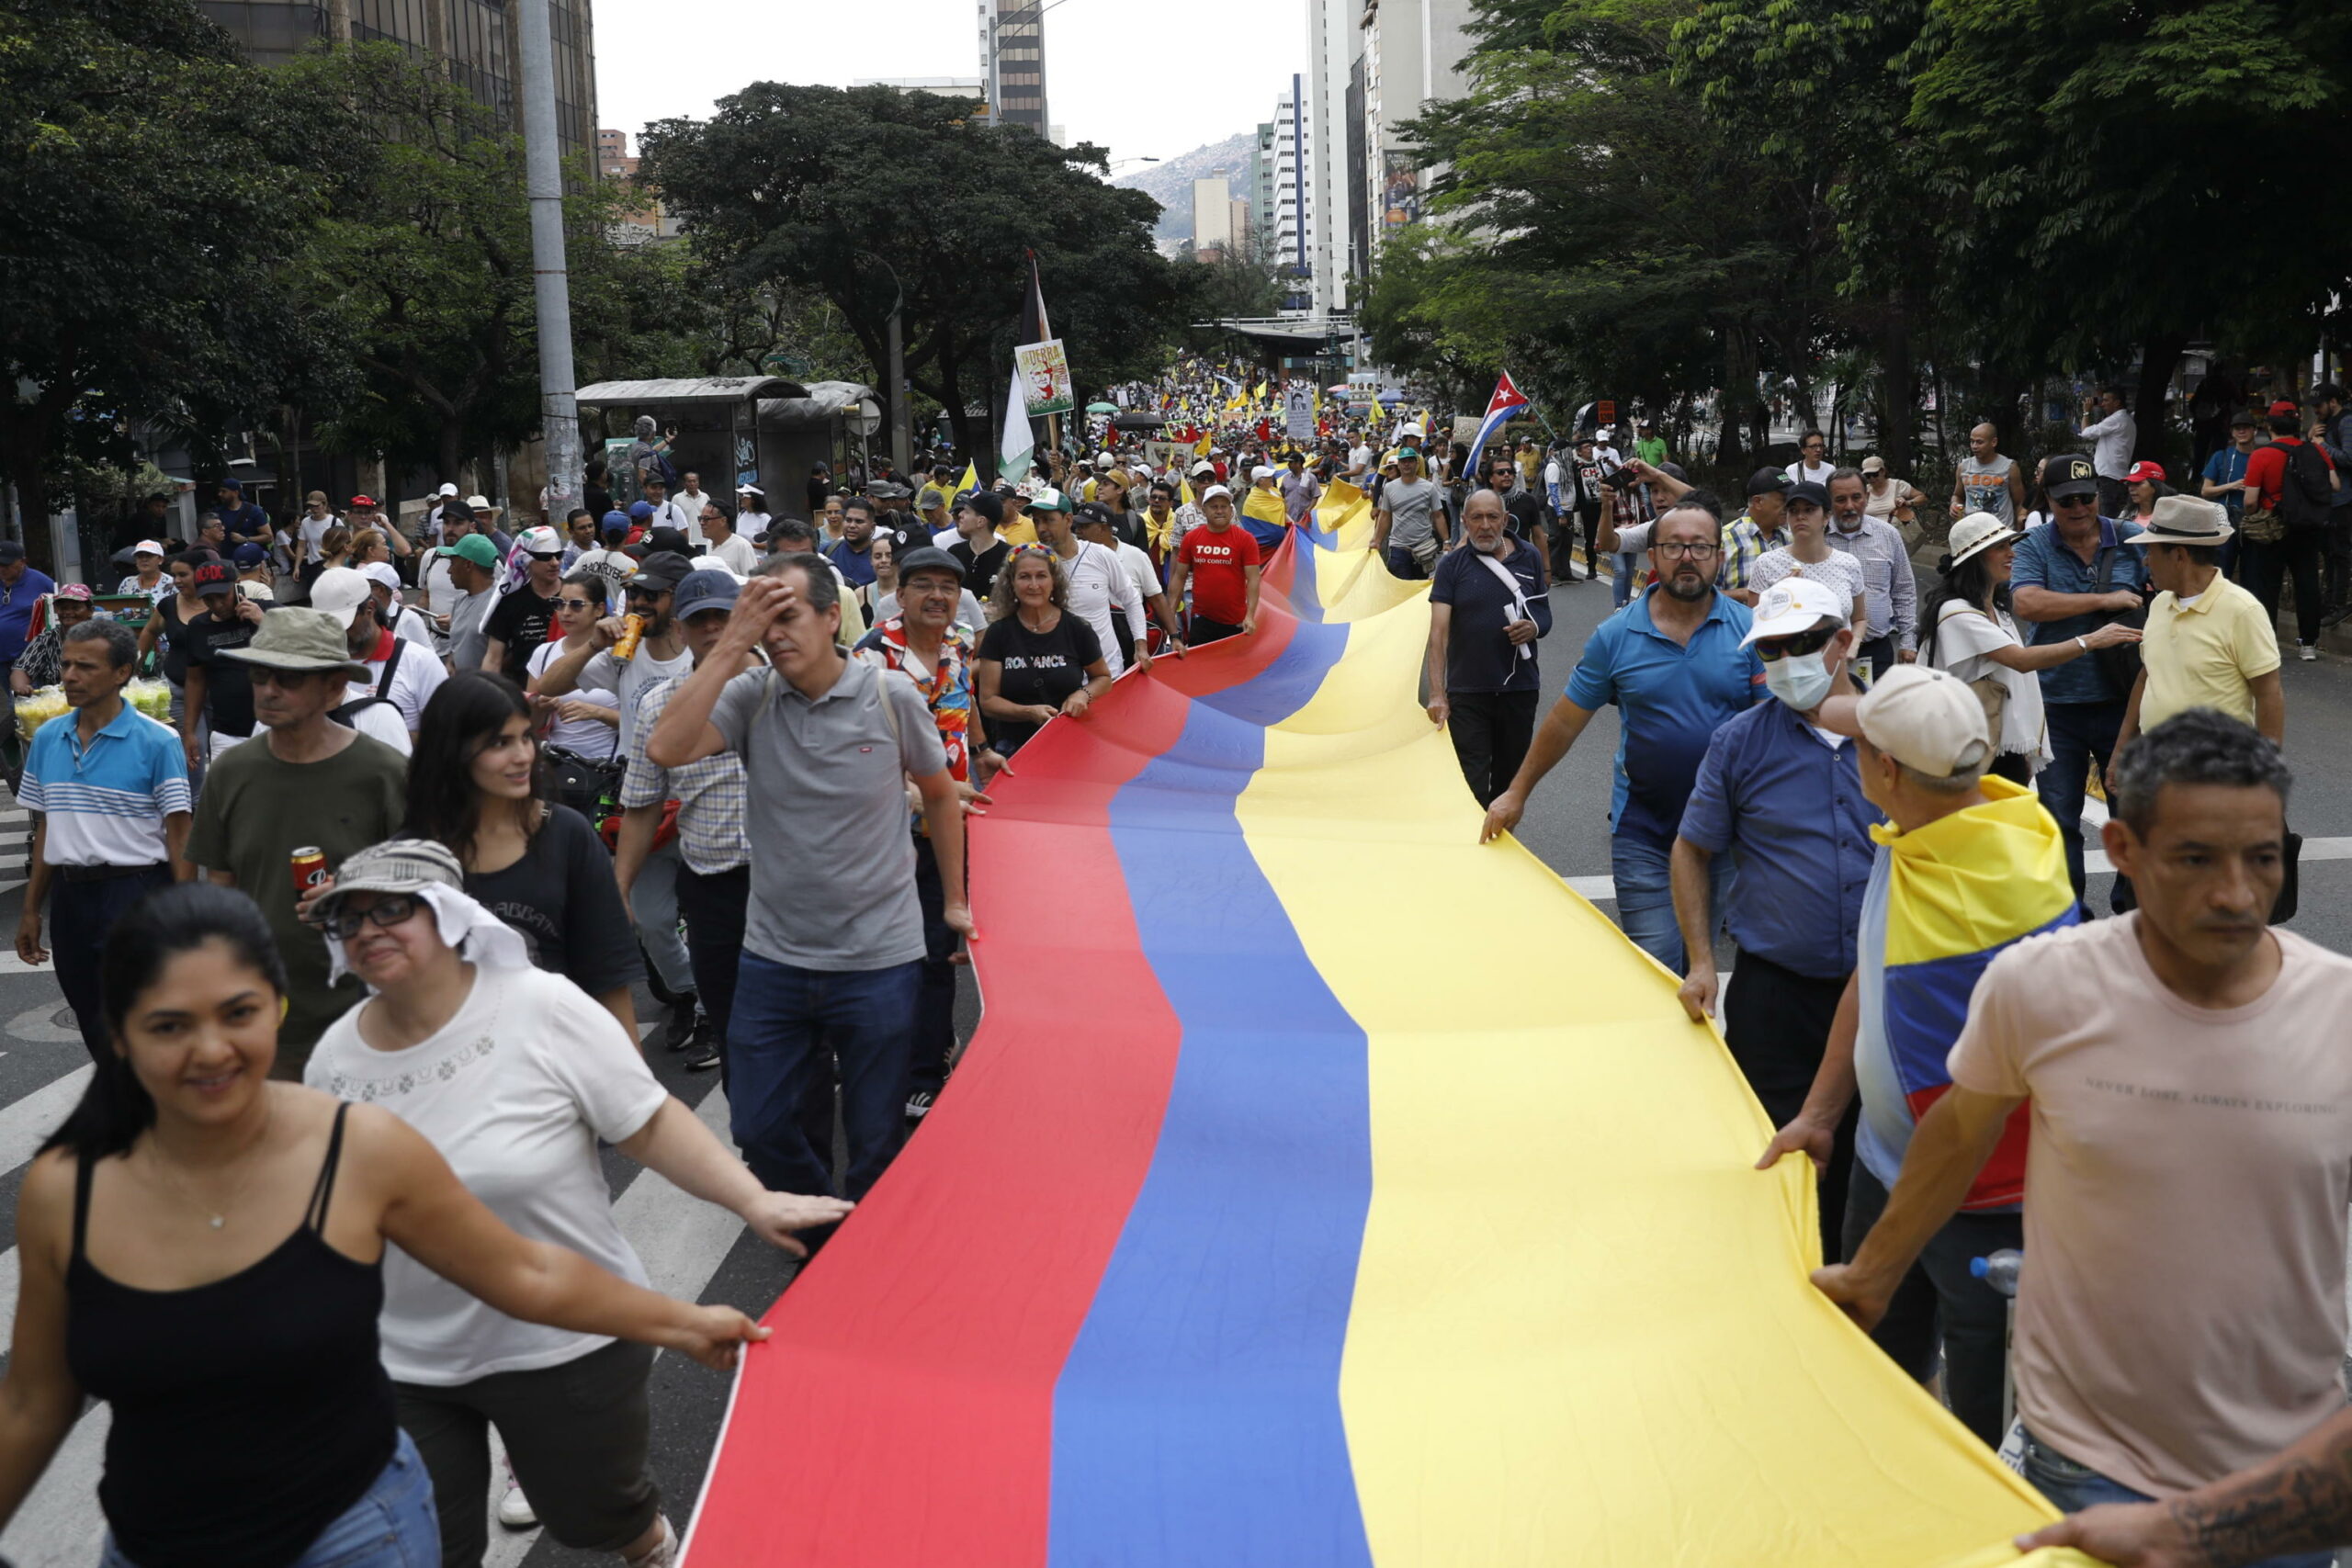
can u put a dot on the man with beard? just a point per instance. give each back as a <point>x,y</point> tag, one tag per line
<point>1674,665</point>
<point>1487,605</point>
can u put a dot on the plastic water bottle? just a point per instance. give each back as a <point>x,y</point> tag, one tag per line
<point>2000,1271</point>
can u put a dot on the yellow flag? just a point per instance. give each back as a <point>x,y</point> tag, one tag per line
<point>971,479</point>
<point>1259,395</point>
<point>1201,447</point>
<point>1183,492</point>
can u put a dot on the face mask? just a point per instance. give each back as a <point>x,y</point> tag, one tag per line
<point>1802,679</point>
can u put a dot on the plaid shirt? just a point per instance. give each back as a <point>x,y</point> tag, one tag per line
<point>1744,544</point>
<point>709,792</point>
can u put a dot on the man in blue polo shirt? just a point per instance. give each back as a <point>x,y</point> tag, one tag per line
<point>242,522</point>
<point>2068,579</point>
<point>109,793</point>
<point>1674,661</point>
<point>1788,795</point>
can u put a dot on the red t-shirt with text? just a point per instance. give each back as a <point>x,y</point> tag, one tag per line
<point>1213,563</point>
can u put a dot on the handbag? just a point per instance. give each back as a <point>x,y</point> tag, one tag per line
<point>2121,663</point>
<point>2263,527</point>
<point>585,784</point>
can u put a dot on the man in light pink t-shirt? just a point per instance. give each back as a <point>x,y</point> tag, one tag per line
<point>2182,1309</point>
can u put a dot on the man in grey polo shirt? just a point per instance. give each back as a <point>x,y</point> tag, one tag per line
<point>834,943</point>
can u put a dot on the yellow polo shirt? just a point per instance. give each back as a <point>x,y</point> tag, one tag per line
<point>2205,655</point>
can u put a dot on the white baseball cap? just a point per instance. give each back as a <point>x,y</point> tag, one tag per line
<point>1926,718</point>
<point>381,573</point>
<point>1260,472</point>
<point>146,547</point>
<point>1792,606</point>
<point>447,489</point>
<point>339,593</point>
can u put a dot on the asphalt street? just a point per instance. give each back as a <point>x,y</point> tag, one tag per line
<point>693,1250</point>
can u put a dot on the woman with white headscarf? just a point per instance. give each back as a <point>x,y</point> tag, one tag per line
<point>514,1073</point>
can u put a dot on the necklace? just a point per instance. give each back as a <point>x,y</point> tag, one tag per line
<point>219,1219</point>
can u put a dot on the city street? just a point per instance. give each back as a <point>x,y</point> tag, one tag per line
<point>693,1250</point>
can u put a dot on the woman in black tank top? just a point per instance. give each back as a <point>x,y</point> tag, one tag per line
<point>203,1250</point>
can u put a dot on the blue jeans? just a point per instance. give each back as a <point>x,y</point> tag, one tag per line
<point>392,1527</point>
<point>2082,737</point>
<point>1620,587</point>
<point>785,1017</point>
<point>2072,1487</point>
<point>1401,564</point>
<point>1645,897</point>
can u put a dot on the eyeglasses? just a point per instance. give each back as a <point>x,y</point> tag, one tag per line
<point>387,911</point>
<point>1771,650</point>
<point>1677,550</point>
<point>292,680</point>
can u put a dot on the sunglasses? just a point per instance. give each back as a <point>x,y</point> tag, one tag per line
<point>1773,650</point>
<point>2075,500</point>
<point>387,911</point>
<point>577,605</point>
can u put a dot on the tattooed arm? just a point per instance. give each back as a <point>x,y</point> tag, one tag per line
<point>2300,1501</point>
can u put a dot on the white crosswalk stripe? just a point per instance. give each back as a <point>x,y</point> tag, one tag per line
<point>681,1240</point>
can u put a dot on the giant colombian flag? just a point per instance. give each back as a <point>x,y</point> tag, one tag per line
<point>1323,1191</point>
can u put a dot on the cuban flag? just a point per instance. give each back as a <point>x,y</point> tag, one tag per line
<point>1508,401</point>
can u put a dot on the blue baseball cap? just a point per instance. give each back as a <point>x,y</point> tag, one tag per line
<point>639,511</point>
<point>704,590</point>
<point>247,556</point>
<point>616,521</point>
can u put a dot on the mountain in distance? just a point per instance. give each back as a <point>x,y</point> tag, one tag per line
<point>1171,182</point>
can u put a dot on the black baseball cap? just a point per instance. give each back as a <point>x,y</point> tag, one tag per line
<point>662,571</point>
<point>1086,512</point>
<point>1769,481</point>
<point>1808,492</point>
<point>2070,475</point>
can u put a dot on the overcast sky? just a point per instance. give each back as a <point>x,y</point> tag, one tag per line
<point>1140,80</point>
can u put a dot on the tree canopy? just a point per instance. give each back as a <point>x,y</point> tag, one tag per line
<point>865,195</point>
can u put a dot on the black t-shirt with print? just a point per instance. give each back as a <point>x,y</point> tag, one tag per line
<point>228,682</point>
<point>1039,667</point>
<point>520,621</point>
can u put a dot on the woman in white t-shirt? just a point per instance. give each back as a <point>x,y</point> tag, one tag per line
<point>515,1074</point>
<point>1972,635</point>
<point>583,722</point>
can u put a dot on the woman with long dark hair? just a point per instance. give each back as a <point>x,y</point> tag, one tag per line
<point>474,787</point>
<point>204,1250</point>
<point>1972,634</point>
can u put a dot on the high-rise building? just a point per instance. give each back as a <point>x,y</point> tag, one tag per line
<point>1261,185</point>
<point>1212,217</point>
<point>1333,49</point>
<point>1410,48</point>
<point>479,41</point>
<point>1289,243</point>
<point>644,220</point>
<point>1013,59</point>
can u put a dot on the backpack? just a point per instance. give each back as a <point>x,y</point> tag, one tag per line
<point>347,714</point>
<point>2308,489</point>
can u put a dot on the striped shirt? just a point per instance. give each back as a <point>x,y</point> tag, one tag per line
<point>709,794</point>
<point>104,803</point>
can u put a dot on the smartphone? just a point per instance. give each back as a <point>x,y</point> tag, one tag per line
<point>1620,479</point>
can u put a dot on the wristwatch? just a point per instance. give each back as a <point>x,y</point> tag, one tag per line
<point>2081,644</point>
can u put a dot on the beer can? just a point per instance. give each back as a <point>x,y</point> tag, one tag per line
<point>310,868</point>
<point>632,628</point>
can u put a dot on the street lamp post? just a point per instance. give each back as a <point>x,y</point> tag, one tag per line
<point>902,454</point>
<point>559,413</point>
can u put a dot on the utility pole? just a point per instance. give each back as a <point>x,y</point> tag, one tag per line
<point>559,414</point>
<point>902,441</point>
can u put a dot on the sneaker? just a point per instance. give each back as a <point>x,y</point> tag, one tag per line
<point>2306,652</point>
<point>664,1553</point>
<point>515,1510</point>
<point>681,1026</point>
<point>704,1057</point>
<point>919,1103</point>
